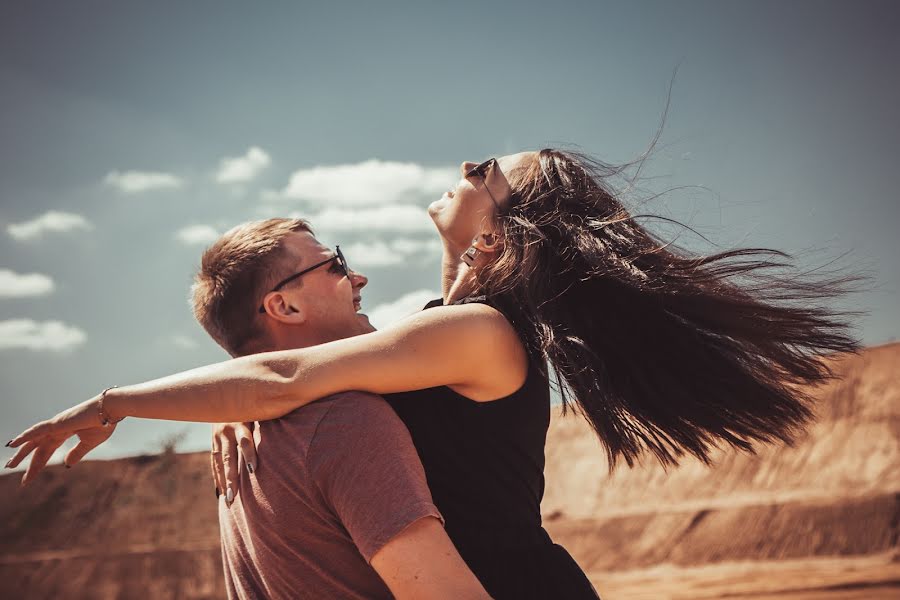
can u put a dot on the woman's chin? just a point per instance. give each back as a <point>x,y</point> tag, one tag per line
<point>435,211</point>
<point>436,207</point>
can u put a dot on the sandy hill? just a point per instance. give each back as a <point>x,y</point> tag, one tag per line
<point>818,520</point>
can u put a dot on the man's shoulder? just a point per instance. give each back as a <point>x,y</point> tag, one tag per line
<point>343,418</point>
<point>344,409</point>
<point>352,424</point>
<point>349,410</point>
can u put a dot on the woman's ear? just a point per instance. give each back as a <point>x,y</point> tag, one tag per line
<point>487,242</point>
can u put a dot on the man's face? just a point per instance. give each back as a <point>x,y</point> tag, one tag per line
<point>323,301</point>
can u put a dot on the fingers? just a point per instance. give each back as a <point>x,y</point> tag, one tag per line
<point>63,425</point>
<point>231,442</point>
<point>20,454</point>
<point>88,440</point>
<point>212,468</point>
<point>230,460</point>
<point>41,455</point>
<point>246,445</point>
<point>75,455</point>
<point>218,467</point>
<point>33,433</point>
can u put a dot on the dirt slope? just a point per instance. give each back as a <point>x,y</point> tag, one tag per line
<point>853,450</point>
<point>829,506</point>
<point>143,527</point>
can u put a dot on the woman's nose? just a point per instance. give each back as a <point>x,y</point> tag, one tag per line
<point>466,167</point>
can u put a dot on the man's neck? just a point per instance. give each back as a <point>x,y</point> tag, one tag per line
<point>299,339</point>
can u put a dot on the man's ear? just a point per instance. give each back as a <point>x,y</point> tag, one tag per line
<point>283,309</point>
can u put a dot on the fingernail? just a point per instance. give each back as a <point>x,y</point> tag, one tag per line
<point>68,466</point>
<point>250,467</point>
<point>9,443</point>
<point>7,463</point>
<point>229,495</point>
<point>218,493</point>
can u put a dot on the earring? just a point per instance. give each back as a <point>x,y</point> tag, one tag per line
<point>470,256</point>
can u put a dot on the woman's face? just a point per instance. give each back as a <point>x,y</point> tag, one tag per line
<point>468,209</point>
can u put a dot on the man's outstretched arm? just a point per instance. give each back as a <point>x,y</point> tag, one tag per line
<point>422,563</point>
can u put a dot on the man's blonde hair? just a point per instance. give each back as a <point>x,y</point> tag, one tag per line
<point>235,273</point>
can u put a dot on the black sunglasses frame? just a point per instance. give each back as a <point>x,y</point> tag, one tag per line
<point>338,256</point>
<point>482,171</point>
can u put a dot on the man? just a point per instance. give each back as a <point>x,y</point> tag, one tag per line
<point>341,508</point>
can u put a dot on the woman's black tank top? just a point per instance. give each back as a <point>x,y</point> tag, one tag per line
<point>485,466</point>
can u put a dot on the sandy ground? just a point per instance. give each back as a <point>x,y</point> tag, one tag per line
<point>873,577</point>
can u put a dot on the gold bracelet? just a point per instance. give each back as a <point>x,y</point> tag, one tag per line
<point>104,416</point>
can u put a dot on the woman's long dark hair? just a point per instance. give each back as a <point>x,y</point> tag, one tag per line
<point>659,349</point>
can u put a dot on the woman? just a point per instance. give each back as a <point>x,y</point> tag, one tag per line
<point>658,349</point>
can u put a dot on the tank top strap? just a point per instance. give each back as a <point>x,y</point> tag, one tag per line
<point>468,300</point>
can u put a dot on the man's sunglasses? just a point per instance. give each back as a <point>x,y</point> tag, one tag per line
<point>482,172</point>
<point>339,262</point>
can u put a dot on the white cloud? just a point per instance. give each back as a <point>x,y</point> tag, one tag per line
<point>406,219</point>
<point>372,182</point>
<point>134,182</point>
<point>411,246</point>
<point>15,285</point>
<point>53,220</point>
<point>269,195</point>
<point>371,254</point>
<point>394,252</point>
<point>197,235</point>
<point>183,341</point>
<point>239,169</point>
<point>28,334</point>
<point>385,314</point>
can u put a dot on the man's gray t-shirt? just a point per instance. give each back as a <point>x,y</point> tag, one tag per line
<point>337,479</point>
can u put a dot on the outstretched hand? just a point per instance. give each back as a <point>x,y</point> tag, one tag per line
<point>46,437</point>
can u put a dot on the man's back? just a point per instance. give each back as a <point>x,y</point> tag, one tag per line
<point>336,480</point>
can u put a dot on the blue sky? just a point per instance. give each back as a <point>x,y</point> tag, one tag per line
<point>132,133</point>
